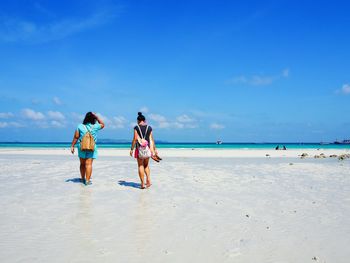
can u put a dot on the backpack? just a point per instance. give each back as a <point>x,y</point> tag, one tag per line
<point>87,142</point>
<point>142,145</point>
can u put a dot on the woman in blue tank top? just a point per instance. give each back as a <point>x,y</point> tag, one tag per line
<point>92,123</point>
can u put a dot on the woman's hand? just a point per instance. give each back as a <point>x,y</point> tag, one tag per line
<point>72,149</point>
<point>99,120</point>
<point>131,152</point>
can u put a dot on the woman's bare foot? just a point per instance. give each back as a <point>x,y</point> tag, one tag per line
<point>142,186</point>
<point>148,184</point>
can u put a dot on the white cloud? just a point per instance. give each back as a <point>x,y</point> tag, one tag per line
<point>182,122</point>
<point>57,101</point>
<point>57,124</point>
<point>162,122</point>
<point>191,126</point>
<point>116,122</point>
<point>56,115</point>
<point>184,119</point>
<point>14,29</point>
<point>258,80</point>
<point>144,110</point>
<point>345,89</point>
<point>11,124</point>
<point>163,125</point>
<point>77,117</point>
<point>6,115</point>
<point>179,125</point>
<point>3,124</point>
<point>216,126</point>
<point>285,73</point>
<point>261,80</point>
<point>105,119</point>
<point>255,80</point>
<point>157,117</point>
<point>33,115</point>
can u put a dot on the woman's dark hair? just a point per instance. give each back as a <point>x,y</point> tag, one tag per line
<point>89,118</point>
<point>140,117</point>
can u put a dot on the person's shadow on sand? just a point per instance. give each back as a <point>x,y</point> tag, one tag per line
<point>74,180</point>
<point>129,184</point>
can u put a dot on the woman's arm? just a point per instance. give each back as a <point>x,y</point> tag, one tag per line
<point>133,142</point>
<point>153,144</point>
<point>75,139</point>
<point>100,121</point>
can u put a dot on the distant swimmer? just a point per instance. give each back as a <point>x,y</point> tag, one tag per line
<point>284,147</point>
<point>277,147</point>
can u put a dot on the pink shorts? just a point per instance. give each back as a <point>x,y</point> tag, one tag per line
<point>136,153</point>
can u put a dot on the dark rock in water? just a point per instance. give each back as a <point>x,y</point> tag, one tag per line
<point>304,155</point>
<point>267,155</point>
<point>320,156</point>
<point>343,156</point>
<point>247,215</point>
<point>314,258</point>
<point>291,163</point>
<point>333,156</point>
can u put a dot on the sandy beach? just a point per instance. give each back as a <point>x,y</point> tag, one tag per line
<point>203,206</point>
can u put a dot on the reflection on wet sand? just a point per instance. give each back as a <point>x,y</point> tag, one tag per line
<point>144,224</point>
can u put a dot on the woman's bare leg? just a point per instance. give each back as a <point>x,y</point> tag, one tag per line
<point>147,172</point>
<point>82,169</point>
<point>141,169</point>
<point>88,167</point>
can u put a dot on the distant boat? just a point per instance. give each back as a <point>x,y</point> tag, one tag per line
<point>218,142</point>
<point>342,142</point>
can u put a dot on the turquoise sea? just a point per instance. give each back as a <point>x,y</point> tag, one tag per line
<point>184,145</point>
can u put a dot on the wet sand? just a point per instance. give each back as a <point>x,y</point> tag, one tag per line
<point>203,206</point>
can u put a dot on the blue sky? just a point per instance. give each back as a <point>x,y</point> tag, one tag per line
<point>239,71</point>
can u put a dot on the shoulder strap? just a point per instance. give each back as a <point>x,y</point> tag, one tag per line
<point>146,131</point>
<point>143,136</point>
<point>81,137</point>
<point>87,128</point>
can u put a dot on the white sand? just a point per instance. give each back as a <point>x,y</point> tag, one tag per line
<point>202,207</point>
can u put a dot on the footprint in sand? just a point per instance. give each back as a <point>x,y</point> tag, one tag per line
<point>232,253</point>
